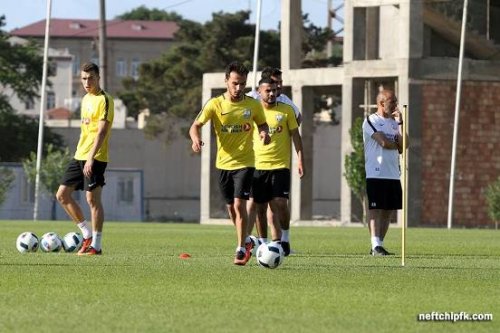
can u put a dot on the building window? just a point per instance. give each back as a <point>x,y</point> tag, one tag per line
<point>29,105</point>
<point>51,100</point>
<point>134,70</point>
<point>27,191</point>
<point>125,190</point>
<point>52,69</point>
<point>121,68</point>
<point>76,65</point>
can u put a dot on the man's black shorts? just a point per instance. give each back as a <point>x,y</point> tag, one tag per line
<point>73,176</point>
<point>269,184</point>
<point>384,194</point>
<point>235,184</point>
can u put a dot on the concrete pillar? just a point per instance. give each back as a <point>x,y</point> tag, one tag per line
<point>291,34</point>
<point>301,189</point>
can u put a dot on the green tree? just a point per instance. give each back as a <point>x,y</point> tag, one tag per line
<point>21,70</point>
<point>170,86</point>
<point>493,200</point>
<point>355,166</point>
<point>6,179</point>
<point>52,169</point>
<point>154,14</point>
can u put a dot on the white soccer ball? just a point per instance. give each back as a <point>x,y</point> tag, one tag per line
<point>50,242</point>
<point>72,242</point>
<point>270,255</point>
<point>256,243</point>
<point>27,242</point>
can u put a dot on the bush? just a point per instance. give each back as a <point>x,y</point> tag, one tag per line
<point>493,199</point>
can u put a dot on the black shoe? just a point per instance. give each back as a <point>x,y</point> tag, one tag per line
<point>286,248</point>
<point>380,251</point>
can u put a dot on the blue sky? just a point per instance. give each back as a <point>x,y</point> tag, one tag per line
<point>23,12</point>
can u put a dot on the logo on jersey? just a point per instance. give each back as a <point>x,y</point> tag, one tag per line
<point>279,118</point>
<point>247,113</point>
<point>228,128</point>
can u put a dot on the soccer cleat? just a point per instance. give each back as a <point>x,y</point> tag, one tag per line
<point>286,248</point>
<point>93,252</point>
<point>380,251</point>
<point>240,258</point>
<point>85,246</point>
<point>248,248</point>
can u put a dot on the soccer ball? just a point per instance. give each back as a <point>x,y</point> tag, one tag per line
<point>256,243</point>
<point>270,255</point>
<point>27,242</point>
<point>72,242</point>
<point>50,242</point>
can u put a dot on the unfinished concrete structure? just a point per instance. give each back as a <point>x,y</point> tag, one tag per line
<point>411,47</point>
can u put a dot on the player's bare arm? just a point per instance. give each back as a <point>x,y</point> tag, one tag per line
<point>264,133</point>
<point>297,143</point>
<point>194,133</point>
<point>383,141</point>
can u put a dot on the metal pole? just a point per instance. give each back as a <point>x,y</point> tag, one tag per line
<point>256,45</point>
<point>102,46</point>
<point>457,111</point>
<point>43,96</point>
<point>404,180</point>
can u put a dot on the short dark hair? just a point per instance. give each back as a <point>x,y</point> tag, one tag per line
<point>237,67</point>
<point>270,71</point>
<point>267,80</point>
<point>90,67</point>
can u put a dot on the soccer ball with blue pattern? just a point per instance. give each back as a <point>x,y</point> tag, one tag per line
<point>27,242</point>
<point>270,255</point>
<point>72,242</point>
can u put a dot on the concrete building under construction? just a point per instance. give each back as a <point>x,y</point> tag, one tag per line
<point>412,47</point>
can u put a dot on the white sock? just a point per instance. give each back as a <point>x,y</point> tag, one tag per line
<point>248,239</point>
<point>242,249</point>
<point>85,229</point>
<point>376,242</point>
<point>263,240</point>
<point>285,235</point>
<point>96,240</point>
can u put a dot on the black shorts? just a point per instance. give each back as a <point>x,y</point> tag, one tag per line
<point>235,184</point>
<point>269,184</point>
<point>384,194</point>
<point>73,176</point>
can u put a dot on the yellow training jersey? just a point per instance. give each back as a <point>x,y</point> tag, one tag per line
<point>233,123</point>
<point>281,120</point>
<point>94,109</point>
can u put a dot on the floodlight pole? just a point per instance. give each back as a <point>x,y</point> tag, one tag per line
<point>457,112</point>
<point>43,95</point>
<point>404,180</point>
<point>256,45</point>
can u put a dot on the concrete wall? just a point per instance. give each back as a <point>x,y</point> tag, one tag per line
<point>171,171</point>
<point>20,198</point>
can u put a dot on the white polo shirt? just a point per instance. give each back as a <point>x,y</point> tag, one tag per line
<point>380,162</point>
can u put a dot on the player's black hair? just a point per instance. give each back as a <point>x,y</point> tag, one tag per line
<point>236,67</point>
<point>267,80</point>
<point>270,71</point>
<point>90,67</point>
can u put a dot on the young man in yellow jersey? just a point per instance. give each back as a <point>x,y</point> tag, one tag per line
<point>86,170</point>
<point>271,182</point>
<point>277,76</point>
<point>233,115</point>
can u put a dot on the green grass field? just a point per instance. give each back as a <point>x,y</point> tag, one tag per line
<point>330,285</point>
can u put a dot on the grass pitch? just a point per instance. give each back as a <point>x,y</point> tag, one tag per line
<point>330,284</point>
